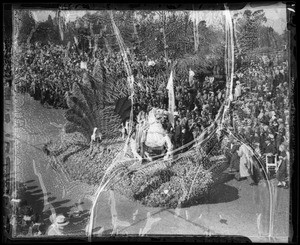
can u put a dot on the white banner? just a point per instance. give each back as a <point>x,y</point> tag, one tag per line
<point>170,88</point>
<point>191,77</point>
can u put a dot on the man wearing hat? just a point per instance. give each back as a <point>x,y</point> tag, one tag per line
<point>270,149</point>
<point>58,224</point>
<point>177,133</point>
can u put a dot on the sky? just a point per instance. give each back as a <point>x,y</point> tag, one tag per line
<point>276,16</point>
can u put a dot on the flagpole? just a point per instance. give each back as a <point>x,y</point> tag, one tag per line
<point>170,88</point>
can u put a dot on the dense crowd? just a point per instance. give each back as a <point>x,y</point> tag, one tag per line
<point>37,63</point>
<point>46,74</point>
<point>260,113</point>
<point>259,110</point>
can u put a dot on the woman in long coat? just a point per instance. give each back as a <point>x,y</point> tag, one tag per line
<point>245,162</point>
<point>281,170</point>
<point>235,159</point>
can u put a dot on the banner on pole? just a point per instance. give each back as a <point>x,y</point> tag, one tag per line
<point>170,88</point>
<point>191,77</point>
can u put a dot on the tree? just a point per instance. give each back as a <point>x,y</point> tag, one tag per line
<point>46,32</point>
<point>247,28</point>
<point>27,24</point>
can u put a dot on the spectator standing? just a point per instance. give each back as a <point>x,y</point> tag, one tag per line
<point>234,159</point>
<point>177,134</point>
<point>281,170</point>
<point>244,165</point>
<point>237,90</point>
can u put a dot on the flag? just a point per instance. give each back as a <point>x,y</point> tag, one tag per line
<point>191,74</point>
<point>170,88</point>
<point>191,77</point>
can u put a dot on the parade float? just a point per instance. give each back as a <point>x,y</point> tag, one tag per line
<point>143,165</point>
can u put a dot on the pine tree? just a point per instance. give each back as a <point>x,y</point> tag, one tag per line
<point>248,26</point>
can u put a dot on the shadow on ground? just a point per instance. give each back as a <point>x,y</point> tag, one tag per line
<point>32,196</point>
<point>219,192</point>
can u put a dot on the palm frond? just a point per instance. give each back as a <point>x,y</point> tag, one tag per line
<point>94,106</point>
<point>73,111</point>
<point>109,122</point>
<point>70,127</point>
<point>79,122</point>
<point>81,109</point>
<point>86,96</point>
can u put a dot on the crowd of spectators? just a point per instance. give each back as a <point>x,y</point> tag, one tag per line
<point>48,71</point>
<point>259,110</point>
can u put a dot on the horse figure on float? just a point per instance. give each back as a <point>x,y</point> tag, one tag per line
<point>151,138</point>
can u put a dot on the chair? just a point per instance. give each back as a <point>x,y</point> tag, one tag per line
<point>271,162</point>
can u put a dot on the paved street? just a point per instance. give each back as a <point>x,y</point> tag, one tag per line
<point>232,208</point>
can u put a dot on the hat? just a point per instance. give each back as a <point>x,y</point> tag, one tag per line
<point>60,220</point>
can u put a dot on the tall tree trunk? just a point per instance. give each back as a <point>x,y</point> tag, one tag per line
<point>31,34</point>
<point>196,31</point>
<point>164,38</point>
